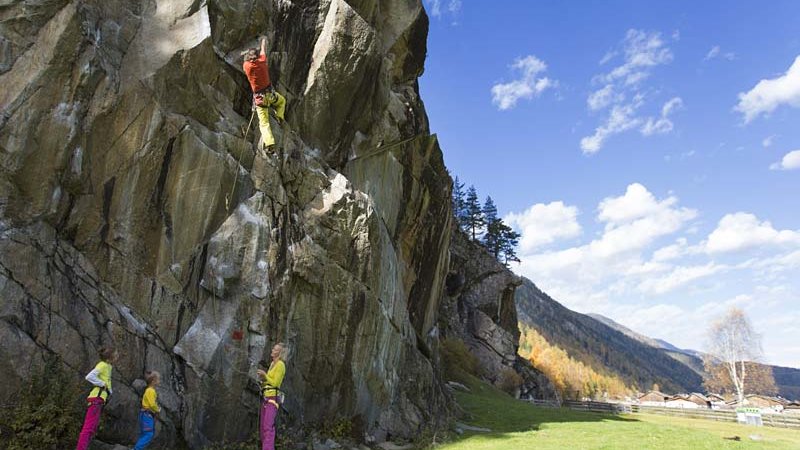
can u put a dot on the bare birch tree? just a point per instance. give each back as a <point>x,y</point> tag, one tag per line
<point>736,345</point>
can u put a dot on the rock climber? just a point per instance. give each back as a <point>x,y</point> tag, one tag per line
<point>271,396</point>
<point>264,94</point>
<point>149,411</point>
<point>100,377</point>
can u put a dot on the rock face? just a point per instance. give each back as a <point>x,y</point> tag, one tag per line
<point>135,210</point>
<point>478,307</point>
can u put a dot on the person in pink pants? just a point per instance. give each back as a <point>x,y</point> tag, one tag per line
<point>100,377</point>
<point>271,397</point>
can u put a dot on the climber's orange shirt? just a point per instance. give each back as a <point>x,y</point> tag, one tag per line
<point>257,73</point>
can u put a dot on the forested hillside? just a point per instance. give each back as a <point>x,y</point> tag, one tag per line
<point>602,347</point>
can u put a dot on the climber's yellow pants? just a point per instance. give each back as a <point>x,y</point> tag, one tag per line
<point>276,101</point>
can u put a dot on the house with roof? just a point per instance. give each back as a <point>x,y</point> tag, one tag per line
<point>766,403</point>
<point>681,401</point>
<point>717,401</point>
<point>653,398</point>
<point>699,399</point>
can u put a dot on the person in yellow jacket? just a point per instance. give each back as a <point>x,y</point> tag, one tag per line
<point>100,377</point>
<point>150,408</point>
<point>271,381</point>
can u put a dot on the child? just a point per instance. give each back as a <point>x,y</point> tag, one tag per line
<point>147,415</point>
<point>100,377</point>
<point>271,381</point>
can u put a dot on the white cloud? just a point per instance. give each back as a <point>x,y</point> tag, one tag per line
<point>716,52</point>
<point>767,142</point>
<point>790,161</point>
<point>453,7</point>
<point>542,224</point>
<point>741,231</point>
<point>662,124</point>
<point>621,118</point>
<point>528,85</point>
<point>713,53</point>
<point>435,7</point>
<point>769,94</point>
<point>607,57</point>
<point>674,251</point>
<point>776,264</point>
<point>678,277</point>
<point>632,223</point>
<point>601,98</point>
<point>643,51</point>
<point>637,202</point>
<point>634,220</point>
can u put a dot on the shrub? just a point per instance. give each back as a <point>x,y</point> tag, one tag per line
<point>338,428</point>
<point>47,413</point>
<point>459,360</point>
<point>509,381</point>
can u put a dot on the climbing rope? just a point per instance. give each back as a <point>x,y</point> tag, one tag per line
<point>239,161</point>
<point>384,148</point>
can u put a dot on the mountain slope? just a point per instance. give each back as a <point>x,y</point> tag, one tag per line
<point>690,358</point>
<point>601,346</point>
<point>788,381</point>
<point>786,378</point>
<point>627,331</point>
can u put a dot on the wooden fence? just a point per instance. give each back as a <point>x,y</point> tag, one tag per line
<point>610,408</point>
<point>770,420</point>
<point>547,403</point>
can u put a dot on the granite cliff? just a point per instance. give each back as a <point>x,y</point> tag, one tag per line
<point>136,211</point>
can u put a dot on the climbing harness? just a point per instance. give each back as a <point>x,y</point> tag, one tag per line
<point>276,400</point>
<point>260,96</point>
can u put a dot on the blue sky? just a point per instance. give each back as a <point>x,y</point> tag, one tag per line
<point>649,152</point>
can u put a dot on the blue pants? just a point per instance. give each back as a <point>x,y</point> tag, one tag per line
<point>147,429</point>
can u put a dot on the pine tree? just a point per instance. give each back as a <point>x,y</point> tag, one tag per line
<point>491,237</point>
<point>473,213</point>
<point>459,202</point>
<point>489,211</point>
<point>509,241</point>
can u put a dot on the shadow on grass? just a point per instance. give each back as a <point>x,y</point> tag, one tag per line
<point>488,407</point>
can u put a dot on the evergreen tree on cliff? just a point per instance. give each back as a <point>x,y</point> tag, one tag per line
<point>474,213</point>
<point>509,241</point>
<point>459,202</point>
<point>492,236</point>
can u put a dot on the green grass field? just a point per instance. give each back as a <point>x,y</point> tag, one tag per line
<point>518,425</point>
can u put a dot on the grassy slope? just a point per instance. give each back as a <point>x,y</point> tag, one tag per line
<point>518,425</point>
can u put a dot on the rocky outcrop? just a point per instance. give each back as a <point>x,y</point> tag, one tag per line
<point>479,308</point>
<point>135,210</point>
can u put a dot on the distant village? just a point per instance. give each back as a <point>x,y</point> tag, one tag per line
<point>767,404</point>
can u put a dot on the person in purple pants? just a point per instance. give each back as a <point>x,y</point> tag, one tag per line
<point>271,398</point>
